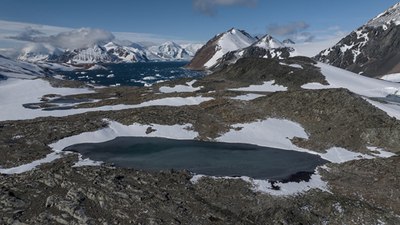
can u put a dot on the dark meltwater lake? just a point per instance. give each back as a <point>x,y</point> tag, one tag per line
<point>208,158</point>
<point>133,74</point>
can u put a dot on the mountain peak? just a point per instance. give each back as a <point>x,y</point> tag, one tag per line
<point>232,30</point>
<point>218,46</point>
<point>268,42</point>
<point>237,32</point>
<point>171,43</point>
<point>170,51</point>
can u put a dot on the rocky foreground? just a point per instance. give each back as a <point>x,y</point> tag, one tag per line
<point>360,192</point>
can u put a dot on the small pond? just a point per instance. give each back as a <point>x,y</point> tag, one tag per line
<point>208,158</point>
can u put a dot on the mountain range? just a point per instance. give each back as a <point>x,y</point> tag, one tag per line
<point>228,47</point>
<point>372,50</point>
<point>110,52</point>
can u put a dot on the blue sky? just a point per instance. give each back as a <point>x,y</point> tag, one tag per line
<point>180,18</point>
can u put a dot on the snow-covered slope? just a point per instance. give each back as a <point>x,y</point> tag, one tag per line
<point>170,51</point>
<point>364,86</point>
<point>373,49</point>
<point>218,46</point>
<point>11,68</point>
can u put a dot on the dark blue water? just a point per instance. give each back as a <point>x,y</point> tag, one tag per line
<point>133,74</point>
<point>393,99</point>
<point>208,158</point>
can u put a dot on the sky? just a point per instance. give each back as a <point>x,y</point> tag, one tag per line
<point>199,20</point>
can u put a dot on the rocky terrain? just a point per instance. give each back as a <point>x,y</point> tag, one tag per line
<point>59,194</point>
<point>372,49</point>
<point>360,192</point>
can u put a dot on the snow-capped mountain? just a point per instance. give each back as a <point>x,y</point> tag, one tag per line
<point>371,50</point>
<point>94,54</point>
<point>134,53</point>
<point>37,52</point>
<point>264,47</point>
<point>217,47</point>
<point>108,53</point>
<point>17,69</point>
<point>170,51</point>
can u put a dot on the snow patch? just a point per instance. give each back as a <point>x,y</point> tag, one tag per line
<point>315,86</point>
<point>247,97</point>
<point>277,133</point>
<point>113,130</point>
<point>86,162</point>
<point>381,153</point>
<point>267,86</point>
<point>181,88</point>
<point>265,186</point>
<point>362,85</point>
<point>394,77</point>
<point>341,155</point>
<point>274,133</point>
<point>12,100</point>
<point>30,166</point>
<point>292,65</point>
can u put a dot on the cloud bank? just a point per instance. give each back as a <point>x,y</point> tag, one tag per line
<point>287,29</point>
<point>294,30</point>
<point>209,7</point>
<point>81,38</point>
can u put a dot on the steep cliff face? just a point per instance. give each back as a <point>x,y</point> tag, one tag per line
<point>372,50</point>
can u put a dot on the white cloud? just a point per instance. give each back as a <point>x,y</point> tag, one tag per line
<point>25,34</point>
<point>80,38</point>
<point>287,29</point>
<point>208,7</point>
